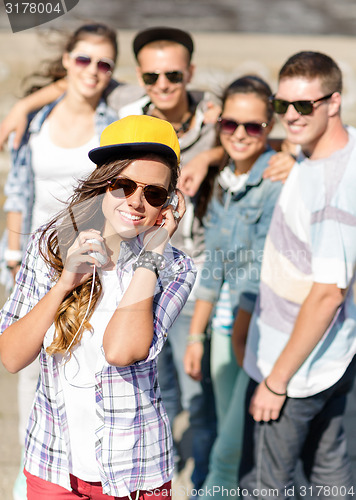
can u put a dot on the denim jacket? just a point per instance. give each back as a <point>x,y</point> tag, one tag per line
<point>236,226</point>
<point>20,186</point>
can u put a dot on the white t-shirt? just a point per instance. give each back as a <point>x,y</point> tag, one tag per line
<point>56,173</point>
<point>78,382</point>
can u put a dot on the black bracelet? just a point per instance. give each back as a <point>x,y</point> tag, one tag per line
<point>274,392</point>
<point>11,268</point>
<point>151,266</point>
<point>150,260</point>
<point>157,258</point>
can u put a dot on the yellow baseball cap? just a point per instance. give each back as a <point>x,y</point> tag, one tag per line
<point>136,134</point>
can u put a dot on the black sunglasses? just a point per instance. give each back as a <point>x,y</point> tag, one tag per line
<point>104,65</point>
<point>122,187</point>
<point>228,127</point>
<point>280,106</point>
<point>172,76</point>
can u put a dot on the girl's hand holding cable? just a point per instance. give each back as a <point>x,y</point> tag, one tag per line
<point>79,263</point>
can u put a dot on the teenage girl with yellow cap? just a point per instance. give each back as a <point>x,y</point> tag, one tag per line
<point>97,291</point>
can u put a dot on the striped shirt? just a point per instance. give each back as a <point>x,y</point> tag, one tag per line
<point>132,436</point>
<point>312,238</point>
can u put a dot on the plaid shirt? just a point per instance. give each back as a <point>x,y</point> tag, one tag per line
<point>133,437</point>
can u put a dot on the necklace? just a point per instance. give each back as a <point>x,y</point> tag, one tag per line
<point>184,125</point>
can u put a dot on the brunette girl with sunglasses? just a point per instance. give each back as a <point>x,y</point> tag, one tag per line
<point>98,289</point>
<point>236,225</point>
<point>51,157</point>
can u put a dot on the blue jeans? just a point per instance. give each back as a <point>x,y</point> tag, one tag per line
<point>308,428</point>
<point>229,382</point>
<point>226,453</point>
<point>224,371</point>
<point>181,391</point>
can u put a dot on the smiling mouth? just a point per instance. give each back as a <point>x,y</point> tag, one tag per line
<point>239,145</point>
<point>295,126</point>
<point>130,217</point>
<point>91,83</point>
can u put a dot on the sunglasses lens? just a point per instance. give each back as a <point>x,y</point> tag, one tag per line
<point>104,66</point>
<point>280,106</point>
<point>253,129</point>
<point>156,196</point>
<point>83,61</point>
<point>304,107</point>
<point>227,126</point>
<point>150,78</point>
<point>122,188</point>
<point>174,76</point>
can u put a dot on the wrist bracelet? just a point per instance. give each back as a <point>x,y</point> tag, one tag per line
<point>150,260</point>
<point>12,255</point>
<point>11,268</point>
<point>274,392</point>
<point>195,337</point>
<point>157,258</point>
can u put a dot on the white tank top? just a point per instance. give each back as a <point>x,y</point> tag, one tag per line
<point>56,173</point>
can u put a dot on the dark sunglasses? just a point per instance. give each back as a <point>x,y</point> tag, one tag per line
<point>302,107</point>
<point>104,65</point>
<point>122,187</point>
<point>228,127</point>
<point>172,76</point>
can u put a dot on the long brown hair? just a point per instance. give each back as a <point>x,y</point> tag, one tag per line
<point>53,70</point>
<point>83,212</point>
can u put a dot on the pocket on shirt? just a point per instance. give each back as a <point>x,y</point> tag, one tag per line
<point>247,225</point>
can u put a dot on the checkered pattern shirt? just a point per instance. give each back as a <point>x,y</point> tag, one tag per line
<point>133,437</point>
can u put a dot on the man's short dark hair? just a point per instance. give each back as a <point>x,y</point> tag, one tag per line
<point>157,34</point>
<point>310,65</point>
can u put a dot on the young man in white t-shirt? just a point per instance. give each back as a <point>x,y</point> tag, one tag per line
<point>302,337</point>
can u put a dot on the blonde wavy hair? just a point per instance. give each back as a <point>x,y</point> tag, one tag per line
<point>83,212</point>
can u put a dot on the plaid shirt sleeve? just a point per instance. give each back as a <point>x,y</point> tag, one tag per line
<point>176,282</point>
<point>32,283</point>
